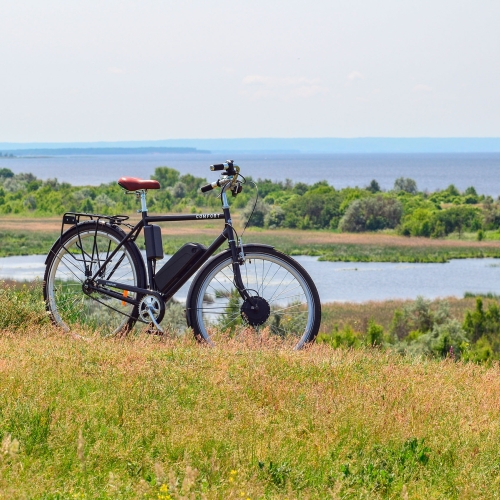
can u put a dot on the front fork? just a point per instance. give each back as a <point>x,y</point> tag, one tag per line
<point>236,258</point>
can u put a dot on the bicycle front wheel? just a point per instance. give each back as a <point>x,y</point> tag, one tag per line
<point>287,301</point>
<point>79,254</point>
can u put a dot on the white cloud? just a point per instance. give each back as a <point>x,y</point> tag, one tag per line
<point>116,71</point>
<point>421,88</point>
<point>273,81</point>
<point>355,75</point>
<point>259,86</point>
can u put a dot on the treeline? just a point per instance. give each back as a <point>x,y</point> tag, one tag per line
<point>422,329</point>
<point>25,194</point>
<point>404,208</point>
<point>281,204</point>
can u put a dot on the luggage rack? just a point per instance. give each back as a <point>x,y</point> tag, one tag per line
<point>74,218</point>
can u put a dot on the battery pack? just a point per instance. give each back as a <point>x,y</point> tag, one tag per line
<point>178,264</point>
<point>154,245</point>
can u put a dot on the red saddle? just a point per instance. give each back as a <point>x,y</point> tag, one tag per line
<point>134,184</point>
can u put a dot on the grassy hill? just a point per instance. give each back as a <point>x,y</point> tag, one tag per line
<point>161,418</point>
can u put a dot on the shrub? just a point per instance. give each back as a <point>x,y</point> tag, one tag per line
<point>445,340</point>
<point>275,217</point>
<point>372,214</point>
<point>321,207</point>
<point>255,217</point>
<point>374,334</point>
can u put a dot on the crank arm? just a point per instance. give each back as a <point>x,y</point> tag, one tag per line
<point>158,327</point>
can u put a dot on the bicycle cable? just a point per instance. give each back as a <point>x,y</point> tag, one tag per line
<point>254,205</point>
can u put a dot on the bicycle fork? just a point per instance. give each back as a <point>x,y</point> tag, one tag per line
<point>237,259</point>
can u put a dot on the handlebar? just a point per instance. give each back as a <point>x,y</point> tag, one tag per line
<point>221,166</point>
<point>228,170</point>
<point>213,185</point>
<point>209,187</point>
<point>218,166</point>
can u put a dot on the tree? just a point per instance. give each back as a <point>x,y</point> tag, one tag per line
<point>167,177</point>
<point>373,187</point>
<point>5,173</point>
<point>405,184</point>
<point>300,188</point>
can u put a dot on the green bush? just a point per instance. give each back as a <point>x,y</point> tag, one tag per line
<point>372,214</point>
<point>255,214</point>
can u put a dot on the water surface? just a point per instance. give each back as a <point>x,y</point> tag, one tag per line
<point>431,171</point>
<point>348,282</point>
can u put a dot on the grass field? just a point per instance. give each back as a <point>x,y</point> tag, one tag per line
<point>166,418</point>
<point>144,418</point>
<point>24,236</point>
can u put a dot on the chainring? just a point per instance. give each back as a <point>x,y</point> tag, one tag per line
<point>153,304</point>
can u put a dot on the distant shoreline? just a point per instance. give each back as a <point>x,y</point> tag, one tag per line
<point>330,145</point>
<point>51,152</point>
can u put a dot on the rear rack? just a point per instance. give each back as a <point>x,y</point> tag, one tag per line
<point>73,218</point>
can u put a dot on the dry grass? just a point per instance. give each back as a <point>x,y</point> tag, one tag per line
<point>166,418</point>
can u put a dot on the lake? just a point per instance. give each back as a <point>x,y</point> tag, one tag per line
<point>348,282</point>
<point>431,171</point>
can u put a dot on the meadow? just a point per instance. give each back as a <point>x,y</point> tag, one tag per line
<point>166,418</point>
<point>30,236</point>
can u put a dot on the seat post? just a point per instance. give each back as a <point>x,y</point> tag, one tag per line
<point>142,194</point>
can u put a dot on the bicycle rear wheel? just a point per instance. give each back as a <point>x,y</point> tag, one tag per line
<point>79,253</point>
<point>287,299</point>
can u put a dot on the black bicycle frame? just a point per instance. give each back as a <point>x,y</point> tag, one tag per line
<point>227,234</point>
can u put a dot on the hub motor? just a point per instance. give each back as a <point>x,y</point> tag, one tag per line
<point>257,314</point>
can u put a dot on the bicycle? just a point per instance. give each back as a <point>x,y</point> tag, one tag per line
<point>96,277</point>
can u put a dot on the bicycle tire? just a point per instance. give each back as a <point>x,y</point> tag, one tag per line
<point>214,306</point>
<point>67,303</point>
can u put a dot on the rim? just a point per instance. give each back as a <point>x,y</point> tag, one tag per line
<point>284,288</point>
<point>69,305</point>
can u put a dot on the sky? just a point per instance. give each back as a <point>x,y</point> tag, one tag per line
<point>108,70</point>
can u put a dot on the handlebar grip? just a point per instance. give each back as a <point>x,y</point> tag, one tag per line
<point>207,187</point>
<point>217,166</point>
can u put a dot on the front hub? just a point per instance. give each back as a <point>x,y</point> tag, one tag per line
<point>257,314</point>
